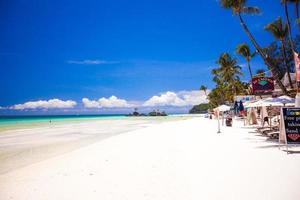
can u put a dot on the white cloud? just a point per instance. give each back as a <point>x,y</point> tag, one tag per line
<point>52,103</point>
<point>179,99</point>
<point>91,62</point>
<point>165,99</point>
<point>169,98</point>
<point>111,102</point>
<point>90,103</point>
<point>193,97</point>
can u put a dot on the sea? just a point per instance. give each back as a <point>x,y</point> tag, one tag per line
<point>13,122</point>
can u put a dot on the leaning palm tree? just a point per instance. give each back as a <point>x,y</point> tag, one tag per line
<point>203,88</point>
<point>244,50</point>
<point>279,30</point>
<point>239,7</point>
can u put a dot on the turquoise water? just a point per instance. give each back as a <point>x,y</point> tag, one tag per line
<point>9,122</point>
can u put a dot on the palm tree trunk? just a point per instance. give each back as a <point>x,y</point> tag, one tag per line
<point>250,71</point>
<point>286,11</point>
<point>285,63</point>
<point>264,57</point>
<point>297,13</point>
<point>251,75</point>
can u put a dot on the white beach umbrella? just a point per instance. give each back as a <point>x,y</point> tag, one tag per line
<point>223,108</point>
<point>254,104</point>
<point>280,101</point>
<point>290,104</point>
<point>270,103</point>
<point>248,103</point>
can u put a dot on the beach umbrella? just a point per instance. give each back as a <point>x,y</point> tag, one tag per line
<point>280,101</point>
<point>248,103</point>
<point>254,104</point>
<point>290,104</point>
<point>223,108</point>
<point>270,103</point>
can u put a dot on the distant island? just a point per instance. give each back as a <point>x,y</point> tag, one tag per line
<point>199,109</point>
<point>152,114</point>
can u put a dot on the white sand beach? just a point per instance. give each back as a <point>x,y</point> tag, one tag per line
<point>175,160</point>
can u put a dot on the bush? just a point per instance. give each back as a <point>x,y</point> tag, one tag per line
<point>199,109</point>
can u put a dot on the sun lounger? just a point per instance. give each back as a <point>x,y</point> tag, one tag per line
<point>273,135</point>
<point>268,130</point>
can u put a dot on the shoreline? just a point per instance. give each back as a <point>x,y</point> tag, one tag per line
<point>37,124</point>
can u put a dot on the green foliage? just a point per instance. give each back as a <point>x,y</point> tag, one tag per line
<point>199,109</point>
<point>203,88</point>
<point>157,113</point>
<point>274,50</point>
<point>278,29</point>
<point>227,79</point>
<point>244,50</point>
<point>239,6</point>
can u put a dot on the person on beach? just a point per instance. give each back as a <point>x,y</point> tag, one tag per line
<point>236,108</point>
<point>241,108</point>
<point>258,112</point>
<point>266,119</point>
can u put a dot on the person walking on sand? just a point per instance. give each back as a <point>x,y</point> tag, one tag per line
<point>241,108</point>
<point>236,108</point>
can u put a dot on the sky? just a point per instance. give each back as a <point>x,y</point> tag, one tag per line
<point>113,55</point>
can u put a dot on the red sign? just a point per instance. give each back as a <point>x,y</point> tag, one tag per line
<point>262,85</point>
<point>297,68</point>
<point>294,136</point>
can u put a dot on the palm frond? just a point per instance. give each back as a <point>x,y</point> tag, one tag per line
<point>226,4</point>
<point>277,28</point>
<point>251,10</point>
<point>243,50</point>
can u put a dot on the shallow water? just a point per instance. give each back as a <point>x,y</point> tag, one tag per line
<point>19,122</point>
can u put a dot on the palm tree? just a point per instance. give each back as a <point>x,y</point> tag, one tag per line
<point>203,88</point>
<point>228,84</point>
<point>239,7</point>
<point>229,73</point>
<point>280,30</point>
<point>244,50</point>
<point>228,67</point>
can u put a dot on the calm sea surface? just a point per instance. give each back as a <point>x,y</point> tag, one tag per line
<point>11,122</point>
